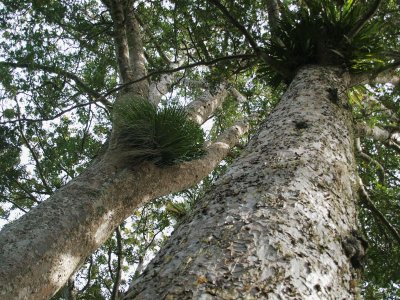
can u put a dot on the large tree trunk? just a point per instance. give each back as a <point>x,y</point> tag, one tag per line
<point>274,226</point>
<point>42,249</point>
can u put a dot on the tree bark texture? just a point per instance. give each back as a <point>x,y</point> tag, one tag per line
<point>273,226</point>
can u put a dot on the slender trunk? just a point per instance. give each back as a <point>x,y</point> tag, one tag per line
<point>274,225</point>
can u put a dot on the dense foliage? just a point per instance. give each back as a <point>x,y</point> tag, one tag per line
<point>59,78</point>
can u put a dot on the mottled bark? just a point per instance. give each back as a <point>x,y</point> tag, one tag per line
<point>202,109</point>
<point>42,249</point>
<point>273,226</point>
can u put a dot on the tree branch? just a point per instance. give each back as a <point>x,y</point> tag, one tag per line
<point>109,254</point>
<point>56,70</point>
<point>27,192</point>
<point>136,53</point>
<point>49,118</point>
<point>34,156</point>
<point>88,276</point>
<point>240,98</point>
<point>159,88</point>
<point>150,36</point>
<point>16,205</point>
<point>236,23</point>
<point>121,40</point>
<point>387,74</point>
<point>201,109</point>
<point>371,206</point>
<point>168,71</point>
<point>369,159</point>
<point>117,279</point>
<point>371,101</point>
<point>364,19</point>
<point>273,14</point>
<point>390,138</point>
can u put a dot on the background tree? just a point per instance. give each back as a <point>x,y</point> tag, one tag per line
<point>68,69</point>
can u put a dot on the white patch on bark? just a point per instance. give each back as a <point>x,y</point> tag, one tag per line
<point>61,271</point>
<point>103,230</point>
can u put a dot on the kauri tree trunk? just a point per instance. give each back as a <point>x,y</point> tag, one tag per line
<point>275,226</point>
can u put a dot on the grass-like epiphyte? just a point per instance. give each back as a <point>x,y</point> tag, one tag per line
<point>165,135</point>
<point>327,33</point>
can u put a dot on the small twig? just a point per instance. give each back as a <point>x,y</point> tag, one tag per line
<point>48,118</point>
<point>16,205</point>
<point>56,70</point>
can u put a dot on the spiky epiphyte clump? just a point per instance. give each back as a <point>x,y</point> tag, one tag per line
<point>328,33</point>
<point>165,136</point>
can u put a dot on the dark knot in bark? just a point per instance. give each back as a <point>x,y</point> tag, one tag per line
<point>355,246</point>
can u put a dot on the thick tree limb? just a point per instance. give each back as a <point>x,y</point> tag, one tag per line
<point>201,109</point>
<point>370,102</point>
<point>149,35</point>
<point>159,88</point>
<point>136,52</point>
<point>193,83</point>
<point>376,212</point>
<point>384,75</point>
<point>391,139</point>
<point>88,209</point>
<point>273,13</point>
<point>240,98</point>
<point>121,40</point>
<point>69,290</point>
